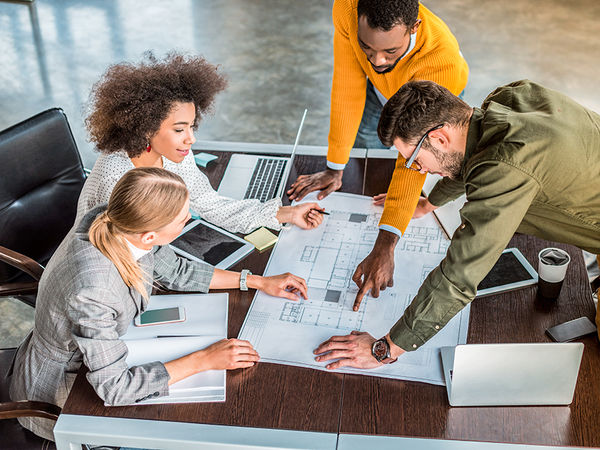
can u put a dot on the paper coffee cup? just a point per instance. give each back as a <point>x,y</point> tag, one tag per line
<point>552,268</point>
<point>553,264</point>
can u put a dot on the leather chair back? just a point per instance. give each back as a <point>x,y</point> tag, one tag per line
<point>41,179</point>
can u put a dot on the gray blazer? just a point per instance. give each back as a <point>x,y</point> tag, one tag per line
<point>82,308</point>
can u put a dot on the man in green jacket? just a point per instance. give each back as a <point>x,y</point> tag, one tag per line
<point>528,161</point>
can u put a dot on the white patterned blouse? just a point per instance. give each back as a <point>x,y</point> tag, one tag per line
<point>237,216</point>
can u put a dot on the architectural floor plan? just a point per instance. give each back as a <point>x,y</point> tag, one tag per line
<point>287,332</point>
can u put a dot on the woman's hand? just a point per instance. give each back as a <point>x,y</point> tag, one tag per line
<point>227,354</point>
<point>304,215</point>
<point>285,285</point>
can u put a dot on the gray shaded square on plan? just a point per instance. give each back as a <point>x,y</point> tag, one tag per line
<point>357,218</point>
<point>332,296</point>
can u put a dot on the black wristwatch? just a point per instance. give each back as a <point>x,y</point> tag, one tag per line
<point>381,351</point>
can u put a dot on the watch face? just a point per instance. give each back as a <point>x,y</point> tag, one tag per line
<point>380,350</point>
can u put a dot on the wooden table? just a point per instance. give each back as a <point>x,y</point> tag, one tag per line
<point>337,409</point>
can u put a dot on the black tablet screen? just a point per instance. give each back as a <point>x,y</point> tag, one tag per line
<point>207,244</point>
<point>508,269</point>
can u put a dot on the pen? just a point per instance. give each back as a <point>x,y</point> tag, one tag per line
<point>320,212</point>
<point>176,335</point>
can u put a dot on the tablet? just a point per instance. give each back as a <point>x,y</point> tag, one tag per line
<point>511,271</point>
<point>203,241</point>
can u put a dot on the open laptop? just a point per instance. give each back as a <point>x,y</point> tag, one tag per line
<point>258,177</point>
<point>511,374</point>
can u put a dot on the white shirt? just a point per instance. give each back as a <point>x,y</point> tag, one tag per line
<point>237,216</point>
<point>136,251</point>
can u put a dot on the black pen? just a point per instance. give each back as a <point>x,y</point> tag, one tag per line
<point>320,212</point>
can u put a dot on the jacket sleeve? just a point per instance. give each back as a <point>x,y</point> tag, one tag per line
<point>445,191</point>
<point>93,312</point>
<point>498,197</point>
<point>180,274</point>
<point>237,216</point>
<point>402,197</point>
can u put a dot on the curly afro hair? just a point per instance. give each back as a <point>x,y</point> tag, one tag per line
<point>128,104</point>
<point>386,14</point>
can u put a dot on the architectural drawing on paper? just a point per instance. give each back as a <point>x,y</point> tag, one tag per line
<point>286,332</point>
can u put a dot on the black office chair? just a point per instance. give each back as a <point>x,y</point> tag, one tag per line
<point>41,178</point>
<point>13,435</point>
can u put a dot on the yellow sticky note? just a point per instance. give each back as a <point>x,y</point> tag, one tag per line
<point>262,239</point>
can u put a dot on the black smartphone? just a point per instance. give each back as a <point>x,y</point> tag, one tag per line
<point>571,330</point>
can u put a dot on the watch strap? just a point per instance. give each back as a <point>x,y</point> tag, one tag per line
<point>244,279</point>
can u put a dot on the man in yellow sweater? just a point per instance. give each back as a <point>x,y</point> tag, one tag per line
<point>379,45</point>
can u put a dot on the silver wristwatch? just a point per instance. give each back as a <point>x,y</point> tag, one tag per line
<point>244,279</point>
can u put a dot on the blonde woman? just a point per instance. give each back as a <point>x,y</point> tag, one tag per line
<point>100,278</point>
<point>145,115</point>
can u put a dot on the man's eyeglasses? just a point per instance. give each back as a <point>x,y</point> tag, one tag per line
<point>411,160</point>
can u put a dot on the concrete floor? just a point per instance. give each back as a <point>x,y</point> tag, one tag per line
<point>277,55</point>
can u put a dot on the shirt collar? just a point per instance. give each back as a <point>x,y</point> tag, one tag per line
<point>136,252</point>
<point>411,46</point>
<point>474,133</point>
<point>473,137</point>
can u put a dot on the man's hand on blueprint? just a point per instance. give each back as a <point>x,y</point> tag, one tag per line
<point>376,271</point>
<point>353,350</point>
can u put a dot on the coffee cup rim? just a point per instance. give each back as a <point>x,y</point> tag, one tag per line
<point>555,248</point>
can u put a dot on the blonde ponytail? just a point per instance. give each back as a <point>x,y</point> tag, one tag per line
<point>114,247</point>
<point>145,199</point>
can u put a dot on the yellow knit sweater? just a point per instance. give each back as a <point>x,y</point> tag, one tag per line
<point>436,57</point>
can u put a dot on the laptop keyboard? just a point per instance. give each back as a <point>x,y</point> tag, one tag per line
<point>265,179</point>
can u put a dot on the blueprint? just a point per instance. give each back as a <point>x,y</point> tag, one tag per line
<point>286,332</point>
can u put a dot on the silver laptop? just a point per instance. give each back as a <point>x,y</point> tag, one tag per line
<point>511,374</point>
<point>258,177</point>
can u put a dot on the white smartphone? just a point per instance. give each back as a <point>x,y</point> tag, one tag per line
<point>159,316</point>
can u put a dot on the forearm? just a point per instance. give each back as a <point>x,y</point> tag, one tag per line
<point>284,214</point>
<point>226,279</point>
<point>385,244</point>
<point>183,367</point>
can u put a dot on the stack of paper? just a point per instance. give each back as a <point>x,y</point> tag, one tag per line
<point>205,324</point>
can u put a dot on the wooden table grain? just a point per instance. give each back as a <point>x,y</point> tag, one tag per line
<point>294,398</point>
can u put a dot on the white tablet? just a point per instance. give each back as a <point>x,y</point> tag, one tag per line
<point>203,241</point>
<point>511,271</point>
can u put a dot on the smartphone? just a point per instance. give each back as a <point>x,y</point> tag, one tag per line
<point>160,316</point>
<point>571,330</point>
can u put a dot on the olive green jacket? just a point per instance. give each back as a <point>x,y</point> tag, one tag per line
<point>532,165</point>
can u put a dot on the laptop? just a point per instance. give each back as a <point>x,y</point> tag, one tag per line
<point>258,177</point>
<point>511,374</point>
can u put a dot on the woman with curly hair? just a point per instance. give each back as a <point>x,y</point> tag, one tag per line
<point>145,115</point>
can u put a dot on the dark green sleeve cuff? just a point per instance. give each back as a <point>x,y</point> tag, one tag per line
<point>404,337</point>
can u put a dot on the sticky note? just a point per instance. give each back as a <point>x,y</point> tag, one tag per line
<point>203,159</point>
<point>262,239</point>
